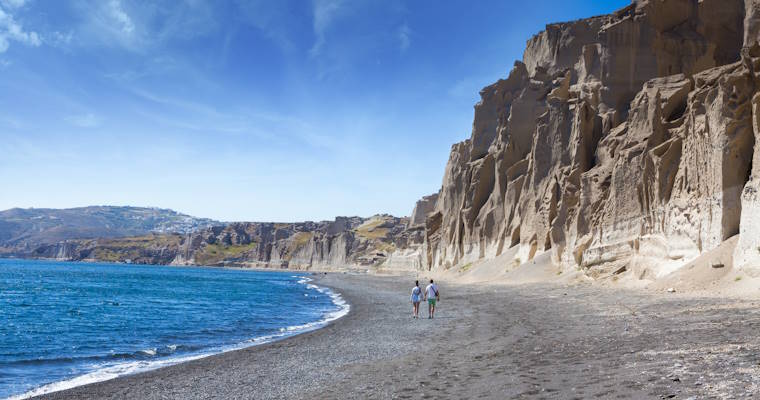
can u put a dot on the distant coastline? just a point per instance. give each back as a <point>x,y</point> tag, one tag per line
<point>127,235</point>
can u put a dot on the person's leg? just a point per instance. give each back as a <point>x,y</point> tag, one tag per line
<point>430,308</point>
<point>432,312</point>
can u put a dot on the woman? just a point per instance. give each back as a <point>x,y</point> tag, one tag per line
<point>416,297</point>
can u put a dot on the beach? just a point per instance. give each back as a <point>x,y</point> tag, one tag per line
<point>487,341</point>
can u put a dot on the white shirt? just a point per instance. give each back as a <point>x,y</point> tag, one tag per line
<point>416,291</point>
<point>431,290</point>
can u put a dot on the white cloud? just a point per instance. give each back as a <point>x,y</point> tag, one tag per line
<point>59,38</point>
<point>109,23</point>
<point>10,30</point>
<point>88,120</point>
<point>117,13</point>
<point>11,4</point>
<point>140,27</point>
<point>404,37</point>
<point>325,12</point>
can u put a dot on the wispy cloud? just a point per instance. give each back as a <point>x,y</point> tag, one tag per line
<point>111,23</point>
<point>273,18</point>
<point>404,37</point>
<point>140,27</point>
<point>124,21</point>
<point>11,4</point>
<point>105,23</point>
<point>11,30</point>
<point>59,39</point>
<point>88,120</point>
<point>325,12</point>
<point>195,107</point>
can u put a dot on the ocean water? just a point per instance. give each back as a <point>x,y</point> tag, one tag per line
<point>67,324</point>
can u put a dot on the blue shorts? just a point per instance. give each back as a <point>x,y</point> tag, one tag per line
<point>415,299</point>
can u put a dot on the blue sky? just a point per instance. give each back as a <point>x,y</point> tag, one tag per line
<point>249,110</point>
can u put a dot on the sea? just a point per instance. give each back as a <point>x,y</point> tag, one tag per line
<point>65,324</point>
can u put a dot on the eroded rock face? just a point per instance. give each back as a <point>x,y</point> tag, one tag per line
<point>346,242</point>
<point>747,253</point>
<point>621,142</point>
<point>424,206</point>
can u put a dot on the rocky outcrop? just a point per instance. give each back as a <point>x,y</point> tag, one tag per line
<point>346,242</point>
<point>148,249</point>
<point>623,142</point>
<point>424,206</point>
<point>747,253</point>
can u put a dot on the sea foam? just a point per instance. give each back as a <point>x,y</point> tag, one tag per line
<point>115,370</point>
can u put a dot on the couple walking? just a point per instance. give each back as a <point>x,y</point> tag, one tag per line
<point>430,294</point>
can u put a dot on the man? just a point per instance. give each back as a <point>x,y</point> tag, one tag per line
<point>431,294</point>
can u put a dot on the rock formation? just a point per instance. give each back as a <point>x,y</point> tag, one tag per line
<point>423,207</point>
<point>346,242</point>
<point>623,142</point>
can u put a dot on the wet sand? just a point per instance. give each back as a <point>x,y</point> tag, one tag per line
<point>488,341</point>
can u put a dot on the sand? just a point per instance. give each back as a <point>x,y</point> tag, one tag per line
<point>538,341</point>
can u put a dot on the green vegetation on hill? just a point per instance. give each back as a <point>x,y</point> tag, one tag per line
<point>372,229</point>
<point>140,249</point>
<point>211,254</point>
<point>301,238</point>
<point>386,247</point>
<point>345,241</point>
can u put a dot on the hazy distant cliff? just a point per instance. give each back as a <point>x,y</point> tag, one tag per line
<point>342,243</point>
<point>620,142</point>
<point>23,230</point>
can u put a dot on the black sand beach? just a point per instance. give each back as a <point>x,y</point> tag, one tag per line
<point>488,341</point>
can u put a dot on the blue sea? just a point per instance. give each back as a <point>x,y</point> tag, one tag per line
<point>67,324</point>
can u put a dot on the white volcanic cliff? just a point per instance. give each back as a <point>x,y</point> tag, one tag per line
<point>622,142</point>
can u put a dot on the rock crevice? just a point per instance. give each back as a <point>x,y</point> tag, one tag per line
<point>619,142</point>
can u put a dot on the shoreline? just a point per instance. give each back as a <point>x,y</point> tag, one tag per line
<point>120,370</point>
<point>348,269</point>
<point>488,341</point>
<point>94,389</point>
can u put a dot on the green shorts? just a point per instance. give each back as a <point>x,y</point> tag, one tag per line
<point>431,302</point>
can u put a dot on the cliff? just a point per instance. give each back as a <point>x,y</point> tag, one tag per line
<point>622,142</point>
<point>346,242</point>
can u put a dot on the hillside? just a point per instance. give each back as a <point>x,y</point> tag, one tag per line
<point>23,230</point>
<point>343,243</point>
